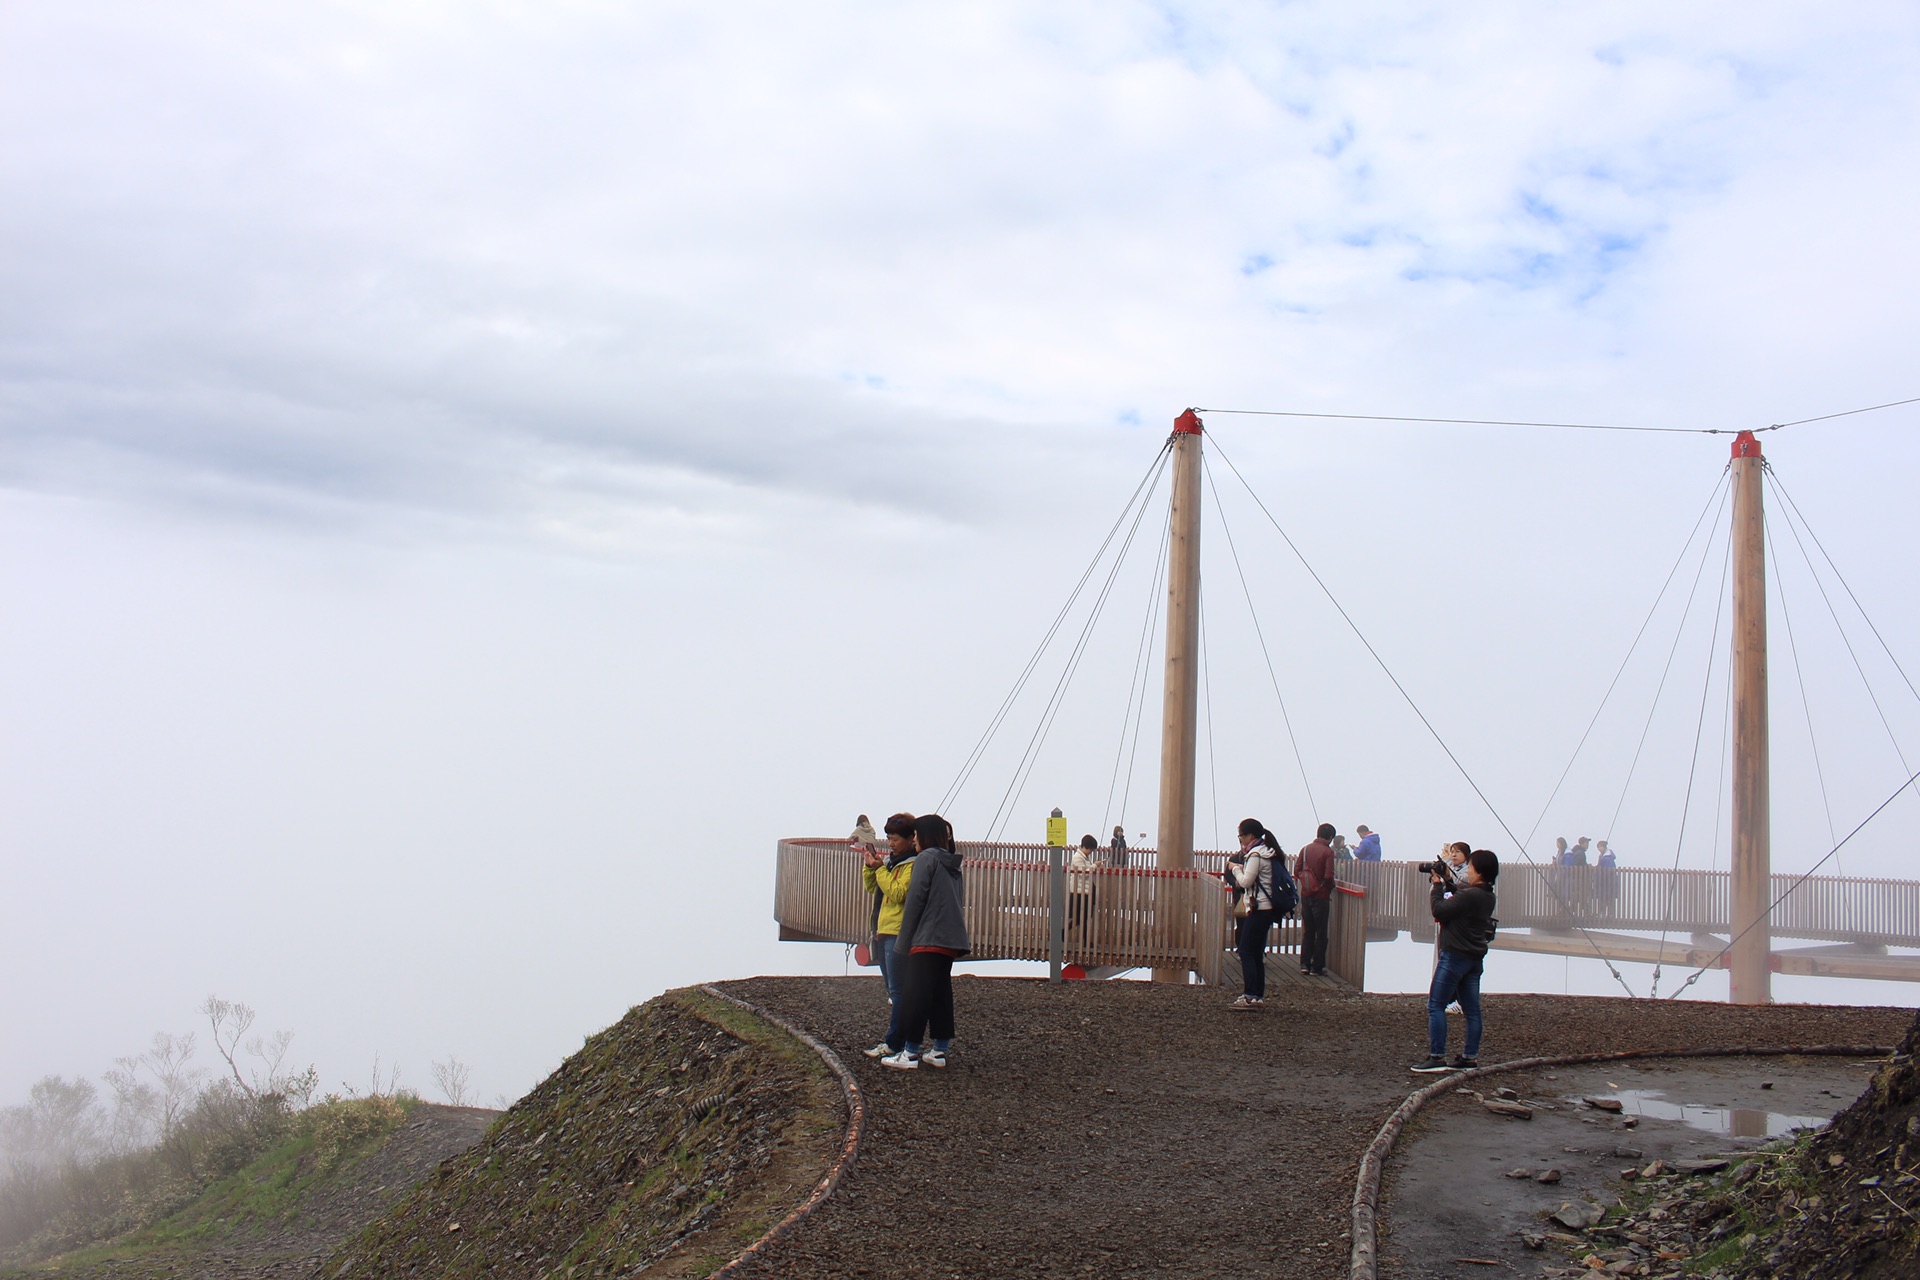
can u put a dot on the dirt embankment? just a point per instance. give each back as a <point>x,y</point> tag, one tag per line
<point>671,1141</point>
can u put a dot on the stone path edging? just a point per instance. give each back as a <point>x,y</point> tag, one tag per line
<point>856,1124</point>
<point>1366,1191</point>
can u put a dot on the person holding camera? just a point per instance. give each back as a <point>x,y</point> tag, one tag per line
<point>1259,871</point>
<point>1463,908</point>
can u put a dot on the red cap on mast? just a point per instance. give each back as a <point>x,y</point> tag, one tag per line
<point>1746,445</point>
<point>1188,424</point>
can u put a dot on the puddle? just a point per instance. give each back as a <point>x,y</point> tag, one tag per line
<point>1736,1122</point>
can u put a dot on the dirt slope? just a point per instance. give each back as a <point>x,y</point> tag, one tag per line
<point>671,1141</point>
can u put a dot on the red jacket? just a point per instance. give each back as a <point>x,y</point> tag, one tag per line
<point>1316,870</point>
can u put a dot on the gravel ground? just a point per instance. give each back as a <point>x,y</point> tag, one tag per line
<point>1131,1129</point>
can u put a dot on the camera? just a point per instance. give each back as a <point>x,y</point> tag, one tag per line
<point>1440,867</point>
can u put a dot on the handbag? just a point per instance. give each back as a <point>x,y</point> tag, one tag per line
<point>867,954</point>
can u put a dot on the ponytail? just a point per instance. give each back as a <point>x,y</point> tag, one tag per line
<point>1253,827</point>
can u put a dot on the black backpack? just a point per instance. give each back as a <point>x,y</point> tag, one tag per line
<point>1286,894</point>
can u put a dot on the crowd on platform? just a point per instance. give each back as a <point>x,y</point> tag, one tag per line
<point>918,922</point>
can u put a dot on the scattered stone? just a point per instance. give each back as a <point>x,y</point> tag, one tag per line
<point>1507,1092</point>
<point>1551,1176</point>
<point>1630,1122</point>
<point>1512,1110</point>
<point>1654,1170</point>
<point>1836,1160</point>
<point>1523,1173</point>
<point>1533,1240</point>
<point>1627,1153</point>
<point>1746,1173</point>
<point>1766,1084</point>
<point>1700,1166</point>
<point>1605,1104</point>
<point>1628,1175</point>
<point>1578,1216</point>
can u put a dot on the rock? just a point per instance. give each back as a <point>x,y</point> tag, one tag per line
<point>1578,1216</point>
<point>1628,1175</point>
<point>1746,1173</point>
<point>1766,1084</point>
<point>1700,1166</point>
<point>1627,1153</point>
<point>1605,1104</point>
<point>1512,1110</point>
<point>1836,1160</point>
<point>1523,1173</point>
<point>1533,1240</point>
<point>1654,1170</point>
<point>1506,1092</point>
<point>1551,1176</point>
<point>1630,1122</point>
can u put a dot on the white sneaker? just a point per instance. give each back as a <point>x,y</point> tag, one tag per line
<point>880,1050</point>
<point>1245,1004</point>
<point>934,1058</point>
<point>901,1061</point>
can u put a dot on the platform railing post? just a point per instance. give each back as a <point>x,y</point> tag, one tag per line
<point>1056,911</point>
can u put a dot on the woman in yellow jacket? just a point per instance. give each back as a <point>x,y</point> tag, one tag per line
<point>888,875</point>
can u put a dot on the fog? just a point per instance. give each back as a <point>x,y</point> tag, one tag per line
<point>472,480</point>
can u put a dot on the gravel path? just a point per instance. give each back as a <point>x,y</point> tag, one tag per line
<point>1130,1129</point>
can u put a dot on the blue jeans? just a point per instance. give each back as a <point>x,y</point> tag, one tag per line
<point>1254,928</point>
<point>893,973</point>
<point>1456,977</point>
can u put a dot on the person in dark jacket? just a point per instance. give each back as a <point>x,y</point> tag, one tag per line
<point>1465,917</point>
<point>933,934</point>
<point>1315,874</point>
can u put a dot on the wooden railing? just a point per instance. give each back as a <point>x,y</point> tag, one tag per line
<point>1824,908</point>
<point>1132,917</point>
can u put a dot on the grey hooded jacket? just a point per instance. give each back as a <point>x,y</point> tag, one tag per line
<point>935,913</point>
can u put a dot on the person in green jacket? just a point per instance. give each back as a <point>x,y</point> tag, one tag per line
<point>888,875</point>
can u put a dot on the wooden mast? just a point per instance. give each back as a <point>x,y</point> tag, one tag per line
<point>1179,724</point>
<point>1751,961</point>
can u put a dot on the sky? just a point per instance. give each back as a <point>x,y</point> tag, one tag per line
<point>473,477</point>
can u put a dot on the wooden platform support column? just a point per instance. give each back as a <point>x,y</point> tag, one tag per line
<point>1179,723</point>
<point>1751,960</point>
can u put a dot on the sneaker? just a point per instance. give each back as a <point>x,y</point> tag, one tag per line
<point>880,1050</point>
<point>1433,1066</point>
<point>1461,1062</point>
<point>903,1061</point>
<point>1244,1004</point>
<point>934,1058</point>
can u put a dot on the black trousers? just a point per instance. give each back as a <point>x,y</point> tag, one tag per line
<point>929,1000</point>
<point>1253,953</point>
<point>1313,933</point>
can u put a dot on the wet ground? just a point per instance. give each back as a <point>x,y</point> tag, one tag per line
<point>1449,1196</point>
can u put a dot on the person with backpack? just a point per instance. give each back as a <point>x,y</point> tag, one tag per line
<point>1263,894</point>
<point>1465,917</point>
<point>933,934</point>
<point>887,877</point>
<point>1316,900</point>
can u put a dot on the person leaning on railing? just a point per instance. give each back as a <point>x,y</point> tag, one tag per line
<point>1465,917</point>
<point>889,875</point>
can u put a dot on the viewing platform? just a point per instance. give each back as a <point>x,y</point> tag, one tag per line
<point>1135,917</point>
<point>1139,917</point>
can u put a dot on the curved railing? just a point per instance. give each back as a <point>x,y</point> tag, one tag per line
<point>1857,910</point>
<point>1116,917</point>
